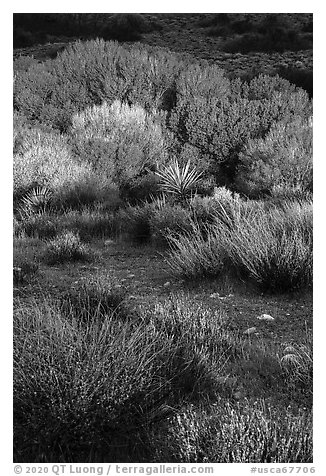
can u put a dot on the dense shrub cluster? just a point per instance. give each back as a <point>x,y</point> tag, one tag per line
<point>125,109</point>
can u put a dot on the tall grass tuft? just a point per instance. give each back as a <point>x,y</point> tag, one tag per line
<point>272,247</point>
<point>297,363</point>
<point>91,392</point>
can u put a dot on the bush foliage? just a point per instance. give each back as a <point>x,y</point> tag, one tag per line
<point>128,107</point>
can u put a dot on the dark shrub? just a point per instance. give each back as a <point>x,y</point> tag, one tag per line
<point>124,27</point>
<point>135,222</point>
<point>214,20</point>
<point>23,38</point>
<point>242,26</point>
<point>303,78</point>
<point>308,27</point>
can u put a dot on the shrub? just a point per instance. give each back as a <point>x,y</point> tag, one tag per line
<point>275,248</point>
<point>45,161</point>
<point>242,26</point>
<point>132,141</point>
<point>66,247</point>
<point>41,226</point>
<point>272,40</point>
<point>244,432</point>
<point>135,222</point>
<point>100,386</point>
<point>124,27</point>
<point>282,158</point>
<point>97,298</point>
<point>55,91</point>
<point>214,19</point>
<point>141,189</point>
<point>168,220</point>
<point>303,78</point>
<point>219,127</point>
<point>297,363</point>
<point>272,248</point>
<point>90,223</point>
<point>206,210</point>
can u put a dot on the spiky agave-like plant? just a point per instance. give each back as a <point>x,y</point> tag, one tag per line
<point>178,181</point>
<point>37,200</point>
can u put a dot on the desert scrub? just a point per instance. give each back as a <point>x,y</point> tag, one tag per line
<point>90,222</point>
<point>198,253</point>
<point>127,138</point>
<point>271,247</point>
<point>297,363</point>
<point>100,386</point>
<point>167,221</point>
<point>244,432</point>
<point>43,226</point>
<point>134,222</point>
<point>66,247</point>
<point>45,160</point>
<point>275,248</point>
<point>283,159</point>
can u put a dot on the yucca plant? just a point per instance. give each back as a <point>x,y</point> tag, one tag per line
<point>178,181</point>
<point>36,201</point>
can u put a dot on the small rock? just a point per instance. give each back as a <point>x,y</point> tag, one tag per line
<point>265,317</point>
<point>251,330</point>
<point>108,242</point>
<point>167,284</point>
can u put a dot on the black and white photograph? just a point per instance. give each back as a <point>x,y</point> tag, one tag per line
<point>162,239</point>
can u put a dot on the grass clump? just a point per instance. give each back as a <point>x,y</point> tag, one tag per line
<point>100,386</point>
<point>42,226</point>
<point>271,247</point>
<point>297,363</point>
<point>66,247</point>
<point>97,298</point>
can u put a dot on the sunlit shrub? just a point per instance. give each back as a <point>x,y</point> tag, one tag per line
<point>283,157</point>
<point>130,139</point>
